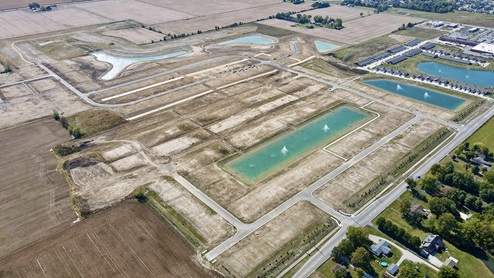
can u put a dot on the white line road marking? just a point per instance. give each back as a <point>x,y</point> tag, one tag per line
<point>143,88</point>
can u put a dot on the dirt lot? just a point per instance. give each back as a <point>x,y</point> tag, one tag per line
<point>250,256</point>
<point>355,31</point>
<point>137,35</point>
<point>34,196</point>
<point>352,181</point>
<point>129,240</point>
<point>21,105</point>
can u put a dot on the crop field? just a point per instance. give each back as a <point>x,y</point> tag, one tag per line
<point>354,31</point>
<point>128,240</point>
<point>345,13</point>
<point>35,197</point>
<point>208,22</point>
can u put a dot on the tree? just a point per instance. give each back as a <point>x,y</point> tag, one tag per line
<point>411,182</point>
<point>361,14</point>
<point>56,116</point>
<point>446,224</point>
<point>341,252</point>
<point>429,183</point>
<point>361,258</point>
<point>489,176</point>
<point>441,206</point>
<point>405,205</point>
<point>76,132</point>
<point>447,272</point>
<point>408,272</point>
<point>358,236</point>
<point>340,273</point>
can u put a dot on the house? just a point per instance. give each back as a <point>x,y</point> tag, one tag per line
<point>338,267</point>
<point>392,269</point>
<point>417,209</point>
<point>450,262</point>
<point>432,243</point>
<point>381,248</point>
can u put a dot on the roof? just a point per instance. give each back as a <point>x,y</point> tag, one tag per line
<point>417,208</point>
<point>380,248</point>
<point>413,42</point>
<point>392,269</point>
<point>450,262</point>
<point>337,267</point>
<point>397,49</point>
<point>484,47</point>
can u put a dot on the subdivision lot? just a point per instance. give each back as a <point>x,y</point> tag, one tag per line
<point>128,240</point>
<point>21,105</point>
<point>34,199</point>
<point>255,254</point>
<point>136,35</point>
<point>355,31</point>
<point>351,183</point>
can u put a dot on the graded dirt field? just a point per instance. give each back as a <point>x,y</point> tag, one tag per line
<point>35,99</point>
<point>259,253</point>
<point>129,240</point>
<point>352,182</point>
<point>34,199</point>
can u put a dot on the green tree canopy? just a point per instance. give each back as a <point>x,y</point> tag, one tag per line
<point>361,258</point>
<point>408,272</point>
<point>447,272</point>
<point>429,183</point>
<point>358,236</point>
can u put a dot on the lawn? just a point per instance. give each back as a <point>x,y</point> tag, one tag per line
<point>468,265</point>
<point>325,269</point>
<point>484,134</point>
<point>456,16</point>
<point>421,33</point>
<point>365,49</point>
<point>421,269</point>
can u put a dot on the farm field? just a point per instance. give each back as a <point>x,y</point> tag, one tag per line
<point>354,31</point>
<point>128,240</point>
<point>35,196</point>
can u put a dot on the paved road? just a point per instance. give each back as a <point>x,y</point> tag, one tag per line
<point>361,219</point>
<point>370,212</point>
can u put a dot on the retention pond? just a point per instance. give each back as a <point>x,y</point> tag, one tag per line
<point>475,77</point>
<point>324,47</point>
<point>418,93</point>
<point>271,156</point>
<point>120,63</point>
<point>249,39</point>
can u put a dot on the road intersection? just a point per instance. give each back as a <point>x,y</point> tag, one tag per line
<point>362,218</point>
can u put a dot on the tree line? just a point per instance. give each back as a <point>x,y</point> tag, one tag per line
<point>436,6</point>
<point>454,192</point>
<point>334,23</point>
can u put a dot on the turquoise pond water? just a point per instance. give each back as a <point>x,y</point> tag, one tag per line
<point>249,39</point>
<point>418,93</point>
<point>258,163</point>
<point>120,63</point>
<point>325,46</point>
<point>474,77</point>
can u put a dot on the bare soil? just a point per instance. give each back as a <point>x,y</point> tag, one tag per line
<point>34,196</point>
<point>129,240</point>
